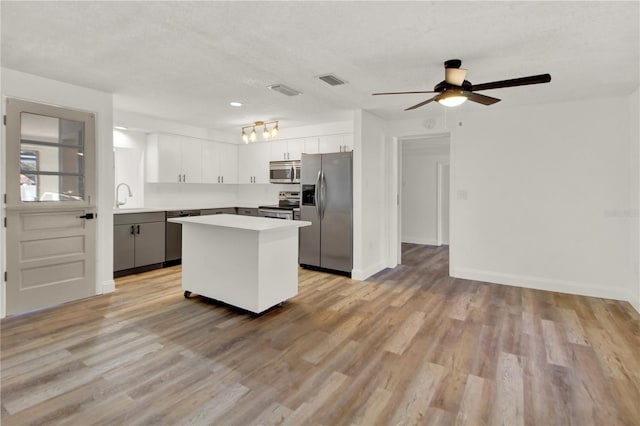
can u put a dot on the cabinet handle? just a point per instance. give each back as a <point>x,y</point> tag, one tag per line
<point>222,178</point>
<point>138,229</point>
<point>218,179</point>
<point>133,230</point>
<point>184,178</point>
<point>179,178</point>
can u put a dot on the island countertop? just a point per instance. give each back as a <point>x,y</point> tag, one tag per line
<point>249,223</point>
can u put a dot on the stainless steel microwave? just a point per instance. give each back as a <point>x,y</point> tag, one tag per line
<point>284,171</point>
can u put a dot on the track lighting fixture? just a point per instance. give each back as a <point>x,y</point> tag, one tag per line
<point>266,133</point>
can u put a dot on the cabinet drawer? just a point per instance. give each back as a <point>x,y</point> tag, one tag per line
<point>135,218</point>
<point>226,210</point>
<point>247,211</point>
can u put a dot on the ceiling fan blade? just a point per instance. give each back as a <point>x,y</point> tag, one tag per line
<point>402,93</point>
<point>420,104</point>
<point>523,81</point>
<point>455,76</point>
<point>482,99</point>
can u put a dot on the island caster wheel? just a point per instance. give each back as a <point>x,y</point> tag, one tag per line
<point>187,294</point>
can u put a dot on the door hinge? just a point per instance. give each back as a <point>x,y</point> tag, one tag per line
<point>4,119</point>
<point>5,198</point>
<point>5,222</point>
<point>5,276</point>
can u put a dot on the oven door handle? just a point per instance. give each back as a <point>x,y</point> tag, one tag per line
<point>293,174</point>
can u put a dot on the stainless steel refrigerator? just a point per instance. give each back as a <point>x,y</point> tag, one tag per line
<point>326,192</point>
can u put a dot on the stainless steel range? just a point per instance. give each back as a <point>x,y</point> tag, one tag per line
<point>288,207</point>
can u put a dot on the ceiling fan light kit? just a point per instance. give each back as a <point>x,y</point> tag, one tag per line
<point>454,90</point>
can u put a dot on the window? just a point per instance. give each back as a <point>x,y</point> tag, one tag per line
<point>51,158</point>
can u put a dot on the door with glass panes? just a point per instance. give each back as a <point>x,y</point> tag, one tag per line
<point>50,206</point>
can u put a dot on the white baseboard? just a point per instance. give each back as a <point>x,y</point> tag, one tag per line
<point>108,286</point>
<point>363,274</point>
<point>419,240</point>
<point>541,283</point>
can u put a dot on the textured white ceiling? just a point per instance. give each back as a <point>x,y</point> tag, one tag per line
<point>185,61</point>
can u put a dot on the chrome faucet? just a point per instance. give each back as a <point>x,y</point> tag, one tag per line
<point>118,202</point>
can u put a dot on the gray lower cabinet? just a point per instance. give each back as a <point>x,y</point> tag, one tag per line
<point>225,210</point>
<point>244,211</point>
<point>138,240</point>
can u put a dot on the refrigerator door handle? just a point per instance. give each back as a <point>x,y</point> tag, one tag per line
<point>316,193</point>
<point>323,194</point>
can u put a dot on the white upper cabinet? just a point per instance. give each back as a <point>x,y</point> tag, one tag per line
<point>229,163</point>
<point>311,145</point>
<point>278,149</point>
<point>173,159</point>
<point>336,143</point>
<point>219,162</point>
<point>253,162</point>
<point>291,149</point>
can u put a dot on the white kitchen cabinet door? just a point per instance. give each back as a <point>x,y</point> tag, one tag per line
<point>311,145</point>
<point>163,159</point>
<point>173,159</point>
<point>253,162</point>
<point>336,143</point>
<point>278,150</point>
<point>348,142</point>
<point>295,147</point>
<point>211,153</point>
<point>261,163</point>
<point>191,150</point>
<point>331,143</point>
<point>228,162</point>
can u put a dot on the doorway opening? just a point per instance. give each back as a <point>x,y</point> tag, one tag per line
<point>424,191</point>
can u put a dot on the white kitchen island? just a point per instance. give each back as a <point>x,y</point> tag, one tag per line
<point>245,261</point>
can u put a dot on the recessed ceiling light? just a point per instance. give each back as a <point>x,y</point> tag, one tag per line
<point>235,104</point>
<point>120,128</point>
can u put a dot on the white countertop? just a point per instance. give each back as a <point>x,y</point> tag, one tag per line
<point>249,223</point>
<point>242,205</point>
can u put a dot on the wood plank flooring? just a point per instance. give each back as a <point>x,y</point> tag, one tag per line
<point>408,346</point>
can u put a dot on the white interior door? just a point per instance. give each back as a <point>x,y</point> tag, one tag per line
<point>49,206</point>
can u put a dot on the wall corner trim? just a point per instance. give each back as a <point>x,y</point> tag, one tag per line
<point>108,286</point>
<point>363,274</point>
<point>635,303</point>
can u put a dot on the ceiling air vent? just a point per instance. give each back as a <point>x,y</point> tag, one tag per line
<point>331,80</point>
<point>281,88</point>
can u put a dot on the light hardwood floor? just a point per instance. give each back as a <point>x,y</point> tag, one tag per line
<point>408,346</point>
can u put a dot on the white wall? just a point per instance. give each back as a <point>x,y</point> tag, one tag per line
<point>29,87</point>
<point>634,195</point>
<point>146,124</point>
<point>538,191</point>
<point>370,195</point>
<point>129,148</point>
<point>167,196</point>
<point>541,195</point>
<point>420,158</point>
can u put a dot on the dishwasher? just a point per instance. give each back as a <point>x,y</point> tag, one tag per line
<point>173,237</point>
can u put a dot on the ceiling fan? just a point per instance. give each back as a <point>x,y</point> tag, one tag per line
<point>455,90</point>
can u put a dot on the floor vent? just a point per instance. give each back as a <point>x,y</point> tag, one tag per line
<point>331,80</point>
<point>285,90</point>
